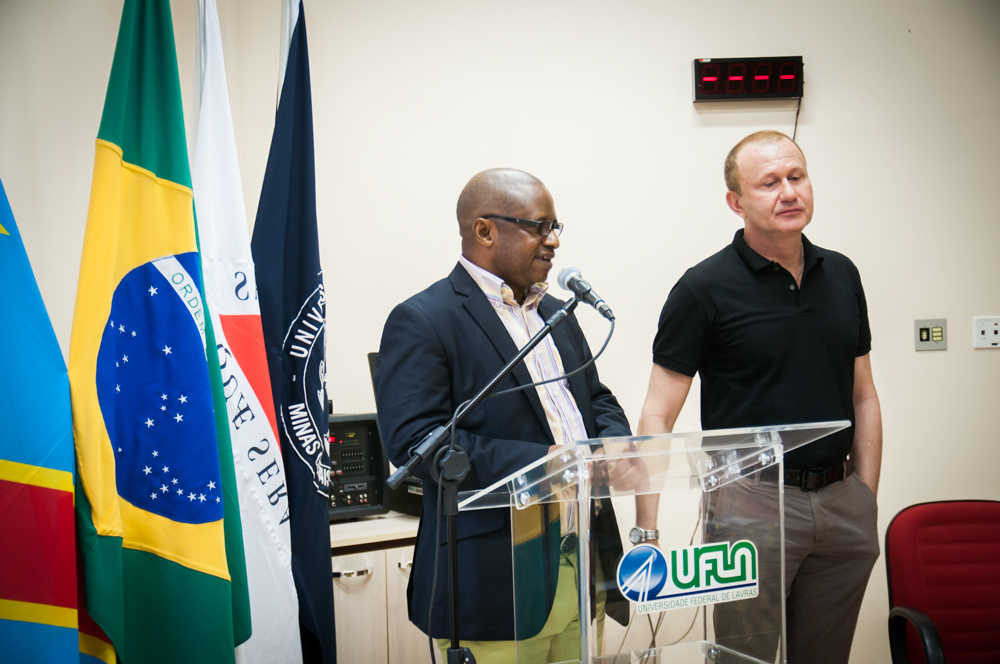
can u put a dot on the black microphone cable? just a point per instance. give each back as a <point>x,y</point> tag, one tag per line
<point>437,536</point>
<point>582,367</point>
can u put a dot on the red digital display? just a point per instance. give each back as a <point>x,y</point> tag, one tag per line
<point>723,79</point>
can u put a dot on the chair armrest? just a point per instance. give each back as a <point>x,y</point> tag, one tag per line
<point>898,617</point>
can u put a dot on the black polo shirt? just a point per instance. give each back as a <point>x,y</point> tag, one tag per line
<point>769,353</point>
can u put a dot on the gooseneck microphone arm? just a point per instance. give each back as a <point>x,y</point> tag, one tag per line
<point>433,441</point>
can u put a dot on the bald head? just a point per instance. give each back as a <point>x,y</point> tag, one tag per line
<point>514,251</point>
<point>496,191</point>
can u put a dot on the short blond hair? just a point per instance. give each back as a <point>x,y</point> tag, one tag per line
<point>732,171</point>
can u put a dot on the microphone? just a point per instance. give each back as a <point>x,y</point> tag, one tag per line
<point>571,279</point>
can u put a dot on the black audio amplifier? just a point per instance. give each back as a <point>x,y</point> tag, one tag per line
<point>358,468</point>
<point>408,498</point>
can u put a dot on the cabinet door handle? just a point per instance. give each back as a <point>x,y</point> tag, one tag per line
<point>407,565</point>
<point>349,574</point>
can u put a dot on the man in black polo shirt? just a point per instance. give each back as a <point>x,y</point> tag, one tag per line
<point>778,330</point>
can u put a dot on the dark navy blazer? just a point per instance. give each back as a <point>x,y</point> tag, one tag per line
<point>439,348</point>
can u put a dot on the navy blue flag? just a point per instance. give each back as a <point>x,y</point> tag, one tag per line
<point>285,251</point>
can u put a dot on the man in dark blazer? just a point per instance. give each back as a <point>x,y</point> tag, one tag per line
<point>439,348</point>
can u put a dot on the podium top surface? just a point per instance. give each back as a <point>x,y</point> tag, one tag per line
<point>703,460</point>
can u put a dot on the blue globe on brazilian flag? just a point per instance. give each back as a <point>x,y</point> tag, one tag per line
<point>155,396</point>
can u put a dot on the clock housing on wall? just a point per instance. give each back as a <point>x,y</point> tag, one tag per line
<point>729,79</point>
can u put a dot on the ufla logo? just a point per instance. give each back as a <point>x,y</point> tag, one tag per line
<point>694,576</point>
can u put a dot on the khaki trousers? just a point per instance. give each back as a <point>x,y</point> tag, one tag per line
<point>831,545</point>
<point>559,640</point>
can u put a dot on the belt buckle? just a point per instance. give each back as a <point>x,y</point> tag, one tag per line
<point>813,479</point>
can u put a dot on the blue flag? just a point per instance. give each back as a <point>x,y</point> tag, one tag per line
<point>285,250</point>
<point>38,591</point>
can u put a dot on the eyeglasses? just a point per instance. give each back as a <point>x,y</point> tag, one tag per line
<point>544,227</point>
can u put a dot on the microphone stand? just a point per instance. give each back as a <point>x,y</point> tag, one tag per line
<point>451,466</point>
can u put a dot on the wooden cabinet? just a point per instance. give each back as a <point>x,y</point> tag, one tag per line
<point>370,561</point>
<point>359,602</point>
<point>407,644</point>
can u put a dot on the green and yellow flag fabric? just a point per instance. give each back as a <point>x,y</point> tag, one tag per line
<point>157,519</point>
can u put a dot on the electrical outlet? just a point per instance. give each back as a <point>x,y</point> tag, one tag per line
<point>930,334</point>
<point>986,332</point>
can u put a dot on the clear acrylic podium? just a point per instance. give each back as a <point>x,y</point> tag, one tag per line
<point>713,590</point>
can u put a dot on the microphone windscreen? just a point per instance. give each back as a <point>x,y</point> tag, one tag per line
<point>566,274</point>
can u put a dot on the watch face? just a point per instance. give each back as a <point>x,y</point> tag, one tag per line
<point>635,536</point>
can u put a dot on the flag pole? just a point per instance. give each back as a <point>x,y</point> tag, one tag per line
<point>202,50</point>
<point>289,14</point>
<point>200,62</point>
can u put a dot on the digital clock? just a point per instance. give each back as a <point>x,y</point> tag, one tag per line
<point>727,79</point>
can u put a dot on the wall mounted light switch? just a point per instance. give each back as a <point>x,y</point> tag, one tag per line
<point>930,334</point>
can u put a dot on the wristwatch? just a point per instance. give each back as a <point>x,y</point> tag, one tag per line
<point>637,535</point>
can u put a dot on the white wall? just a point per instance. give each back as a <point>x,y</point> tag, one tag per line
<point>899,124</point>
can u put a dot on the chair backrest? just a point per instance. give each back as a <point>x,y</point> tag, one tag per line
<point>943,558</point>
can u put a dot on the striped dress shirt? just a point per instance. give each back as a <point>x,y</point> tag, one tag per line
<point>522,322</point>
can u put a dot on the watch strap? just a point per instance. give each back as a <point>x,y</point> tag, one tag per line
<point>646,535</point>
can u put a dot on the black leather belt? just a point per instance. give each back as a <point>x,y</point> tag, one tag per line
<point>810,479</point>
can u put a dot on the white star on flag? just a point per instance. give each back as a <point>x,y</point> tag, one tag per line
<point>201,497</point>
<point>133,333</point>
<point>163,488</point>
<point>153,495</point>
<point>166,469</point>
<point>163,397</point>
<point>147,470</point>
<point>125,358</point>
<point>121,328</point>
<point>191,496</point>
<point>173,481</point>
<point>216,499</point>
<point>163,407</point>
<point>118,388</point>
<point>149,422</point>
<point>152,291</point>
<point>155,453</point>
<point>183,399</point>
<point>166,350</point>
<point>180,492</point>
<point>211,485</point>
<point>179,417</point>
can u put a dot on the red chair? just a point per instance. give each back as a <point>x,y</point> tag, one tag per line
<point>943,568</point>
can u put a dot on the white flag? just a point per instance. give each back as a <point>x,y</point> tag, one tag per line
<point>231,290</point>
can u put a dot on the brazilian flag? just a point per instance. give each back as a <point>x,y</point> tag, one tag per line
<point>158,526</point>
